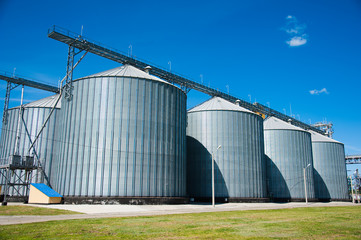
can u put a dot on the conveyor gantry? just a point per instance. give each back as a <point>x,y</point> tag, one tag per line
<point>353,159</point>
<point>13,82</point>
<point>22,81</point>
<point>81,43</point>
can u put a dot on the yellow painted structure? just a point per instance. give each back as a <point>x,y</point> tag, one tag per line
<point>37,196</point>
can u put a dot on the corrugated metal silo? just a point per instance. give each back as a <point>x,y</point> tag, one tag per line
<point>329,168</point>
<point>239,163</point>
<point>34,115</point>
<point>123,138</point>
<point>288,151</point>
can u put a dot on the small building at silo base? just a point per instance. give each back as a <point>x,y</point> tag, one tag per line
<point>288,151</point>
<point>41,193</point>
<point>330,173</point>
<point>239,162</point>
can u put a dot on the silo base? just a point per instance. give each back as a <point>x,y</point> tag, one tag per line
<point>340,200</point>
<point>126,200</point>
<point>283,200</point>
<point>230,200</point>
<point>249,200</point>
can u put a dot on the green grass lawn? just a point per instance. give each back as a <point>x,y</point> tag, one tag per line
<point>28,210</point>
<point>298,223</point>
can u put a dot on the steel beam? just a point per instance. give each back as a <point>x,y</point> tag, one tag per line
<point>29,83</point>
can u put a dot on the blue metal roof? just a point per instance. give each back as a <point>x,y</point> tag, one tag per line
<point>46,190</point>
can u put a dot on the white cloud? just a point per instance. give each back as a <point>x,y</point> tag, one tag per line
<point>324,90</point>
<point>296,32</point>
<point>317,92</point>
<point>296,41</point>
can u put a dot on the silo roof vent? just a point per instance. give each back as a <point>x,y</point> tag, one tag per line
<point>147,69</point>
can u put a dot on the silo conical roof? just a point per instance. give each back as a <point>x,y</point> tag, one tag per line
<point>127,71</point>
<point>47,102</point>
<point>273,123</point>
<point>216,104</point>
<point>316,137</point>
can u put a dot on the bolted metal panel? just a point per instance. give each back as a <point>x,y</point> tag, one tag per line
<point>123,137</point>
<point>239,163</point>
<point>330,170</point>
<point>32,120</point>
<point>287,153</point>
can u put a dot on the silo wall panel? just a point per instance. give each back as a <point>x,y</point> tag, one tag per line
<point>287,153</point>
<point>330,171</point>
<point>239,163</point>
<point>130,131</point>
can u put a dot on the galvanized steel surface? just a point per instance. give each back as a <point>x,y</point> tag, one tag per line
<point>33,118</point>
<point>287,153</point>
<point>122,136</point>
<point>239,163</point>
<point>330,170</point>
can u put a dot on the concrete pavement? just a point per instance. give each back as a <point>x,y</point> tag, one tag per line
<point>111,211</point>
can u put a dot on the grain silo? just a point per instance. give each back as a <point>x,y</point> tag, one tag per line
<point>329,168</point>
<point>123,139</point>
<point>239,163</point>
<point>288,151</point>
<point>34,115</point>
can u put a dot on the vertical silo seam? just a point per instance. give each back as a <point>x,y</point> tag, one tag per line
<point>149,139</point>
<point>82,146</point>
<point>127,149</point>
<point>161,145</point>
<point>75,145</point>
<point>104,145</point>
<point>89,125</point>
<point>111,150</point>
<point>156,143</point>
<point>98,91</point>
<point>46,146</point>
<point>44,137</point>
<point>60,151</point>
<point>52,148</point>
<point>167,137</point>
<point>66,154</point>
<point>179,146</point>
<point>66,151</point>
<point>143,122</point>
<point>120,153</point>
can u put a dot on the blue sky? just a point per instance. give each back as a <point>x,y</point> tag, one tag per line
<point>302,56</point>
